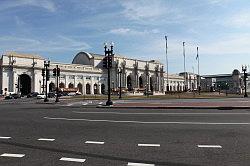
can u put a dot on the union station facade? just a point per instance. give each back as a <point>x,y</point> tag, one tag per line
<point>23,73</point>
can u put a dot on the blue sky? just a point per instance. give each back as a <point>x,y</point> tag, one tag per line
<point>59,29</point>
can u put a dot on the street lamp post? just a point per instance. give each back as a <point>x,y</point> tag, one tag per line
<point>244,69</point>
<point>226,88</point>
<point>219,88</point>
<point>109,54</point>
<point>120,75</point>
<point>46,66</point>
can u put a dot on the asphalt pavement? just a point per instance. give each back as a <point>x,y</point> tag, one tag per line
<point>72,134</point>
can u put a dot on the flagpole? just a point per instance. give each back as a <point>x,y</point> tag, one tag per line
<point>185,88</point>
<point>167,61</point>
<point>199,83</point>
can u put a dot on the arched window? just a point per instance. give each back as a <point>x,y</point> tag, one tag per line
<point>140,82</point>
<point>71,85</point>
<point>88,88</point>
<point>52,87</point>
<point>96,89</point>
<point>61,85</point>
<point>129,83</point>
<point>79,86</point>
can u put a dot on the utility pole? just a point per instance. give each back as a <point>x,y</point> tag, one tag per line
<point>166,37</point>
<point>184,56</point>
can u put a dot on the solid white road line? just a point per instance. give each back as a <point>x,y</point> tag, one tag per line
<point>148,113</point>
<point>139,164</point>
<point>73,159</point>
<point>94,142</point>
<point>141,122</point>
<point>46,139</point>
<point>12,155</point>
<point>209,146</point>
<point>153,145</point>
<point>5,137</point>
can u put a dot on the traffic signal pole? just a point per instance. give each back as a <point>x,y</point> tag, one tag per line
<point>57,81</point>
<point>46,65</point>
<point>108,54</point>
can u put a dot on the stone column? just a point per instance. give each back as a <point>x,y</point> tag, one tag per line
<point>92,86</point>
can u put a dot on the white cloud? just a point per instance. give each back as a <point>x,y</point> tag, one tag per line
<point>46,4</point>
<point>239,20</point>
<point>128,31</point>
<point>142,9</point>
<point>233,44</point>
<point>58,44</point>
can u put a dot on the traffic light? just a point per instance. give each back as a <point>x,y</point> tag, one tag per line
<point>105,62</point>
<point>47,75</point>
<point>58,71</point>
<point>110,61</point>
<point>43,72</point>
<point>54,72</point>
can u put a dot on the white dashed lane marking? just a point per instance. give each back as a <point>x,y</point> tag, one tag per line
<point>94,142</point>
<point>152,145</point>
<point>46,139</point>
<point>5,137</point>
<point>12,155</point>
<point>209,146</point>
<point>139,164</point>
<point>73,159</point>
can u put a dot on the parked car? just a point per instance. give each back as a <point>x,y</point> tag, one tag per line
<point>51,94</point>
<point>72,94</point>
<point>78,93</point>
<point>33,94</point>
<point>8,97</point>
<point>16,95</point>
<point>41,96</point>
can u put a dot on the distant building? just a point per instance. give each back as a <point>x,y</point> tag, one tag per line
<point>229,83</point>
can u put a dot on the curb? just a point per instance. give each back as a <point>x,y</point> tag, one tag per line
<point>178,107</point>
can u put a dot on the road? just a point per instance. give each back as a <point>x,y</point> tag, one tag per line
<point>43,134</point>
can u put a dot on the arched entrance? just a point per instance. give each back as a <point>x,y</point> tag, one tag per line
<point>79,86</point>
<point>71,85</point>
<point>140,82</point>
<point>61,85</point>
<point>151,84</point>
<point>88,89</point>
<point>95,89</point>
<point>103,89</point>
<point>25,84</point>
<point>52,87</point>
<point>129,83</point>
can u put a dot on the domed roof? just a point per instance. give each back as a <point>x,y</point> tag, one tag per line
<point>236,72</point>
<point>83,58</point>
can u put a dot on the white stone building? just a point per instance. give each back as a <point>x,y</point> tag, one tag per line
<point>23,73</point>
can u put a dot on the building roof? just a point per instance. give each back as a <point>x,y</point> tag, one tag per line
<point>22,55</point>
